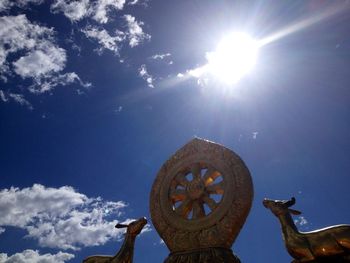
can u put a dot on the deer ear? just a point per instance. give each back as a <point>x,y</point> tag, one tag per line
<point>294,212</point>
<point>120,226</point>
<point>290,202</point>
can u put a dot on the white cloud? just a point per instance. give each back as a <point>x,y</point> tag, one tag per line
<point>103,6</point>
<point>42,60</point>
<point>99,10</point>
<point>63,80</point>
<point>17,33</point>
<point>41,63</point>
<point>74,10</point>
<point>160,56</point>
<point>105,40</point>
<point>166,58</point>
<point>146,76</point>
<point>102,11</point>
<point>18,98</point>
<point>180,75</point>
<point>33,256</point>
<point>60,217</point>
<point>6,4</point>
<point>301,221</point>
<point>3,97</point>
<point>135,32</point>
<point>138,2</point>
<point>118,109</point>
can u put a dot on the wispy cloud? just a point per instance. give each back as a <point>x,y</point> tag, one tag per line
<point>73,10</point>
<point>118,109</point>
<point>166,57</point>
<point>44,85</point>
<point>101,10</point>
<point>18,98</point>
<point>135,32</point>
<point>106,41</point>
<point>102,7</point>
<point>160,56</point>
<point>180,75</point>
<point>138,2</point>
<point>29,255</point>
<point>143,73</point>
<point>132,34</point>
<point>301,221</point>
<point>60,217</point>
<point>7,4</point>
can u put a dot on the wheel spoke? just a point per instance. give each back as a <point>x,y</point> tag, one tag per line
<point>185,208</point>
<point>210,175</point>
<point>198,210</point>
<point>177,195</point>
<point>216,188</point>
<point>210,202</point>
<point>196,171</point>
<point>181,179</point>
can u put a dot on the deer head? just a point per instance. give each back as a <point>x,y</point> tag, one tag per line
<point>135,227</point>
<point>281,207</point>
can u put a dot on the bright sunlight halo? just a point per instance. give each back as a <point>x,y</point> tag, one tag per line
<point>233,58</point>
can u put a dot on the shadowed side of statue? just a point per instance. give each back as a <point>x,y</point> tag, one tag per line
<point>126,252</point>
<point>331,244</point>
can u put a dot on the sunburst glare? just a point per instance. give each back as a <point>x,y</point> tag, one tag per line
<point>234,57</point>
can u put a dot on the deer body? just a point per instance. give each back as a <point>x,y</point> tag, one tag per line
<point>126,252</point>
<point>308,246</point>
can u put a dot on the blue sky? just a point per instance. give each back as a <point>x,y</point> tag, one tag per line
<point>95,95</point>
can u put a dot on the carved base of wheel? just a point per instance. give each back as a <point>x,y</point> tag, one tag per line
<point>332,259</point>
<point>205,255</point>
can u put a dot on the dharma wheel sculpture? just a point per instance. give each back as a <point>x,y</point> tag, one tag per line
<point>199,202</point>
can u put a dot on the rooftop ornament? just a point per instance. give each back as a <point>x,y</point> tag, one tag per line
<point>199,202</point>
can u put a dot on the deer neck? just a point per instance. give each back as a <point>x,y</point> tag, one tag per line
<point>288,227</point>
<point>126,251</point>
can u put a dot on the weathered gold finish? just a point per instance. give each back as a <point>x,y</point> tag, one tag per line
<point>329,244</point>
<point>200,200</point>
<point>126,252</point>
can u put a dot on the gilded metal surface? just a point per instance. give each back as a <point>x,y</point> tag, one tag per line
<point>126,252</point>
<point>201,197</point>
<point>331,244</point>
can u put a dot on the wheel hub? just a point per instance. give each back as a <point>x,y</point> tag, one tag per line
<point>195,189</point>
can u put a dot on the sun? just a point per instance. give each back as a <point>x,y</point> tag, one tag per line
<point>234,57</point>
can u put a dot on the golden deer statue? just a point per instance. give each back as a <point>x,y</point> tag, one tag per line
<point>329,244</point>
<point>126,252</point>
